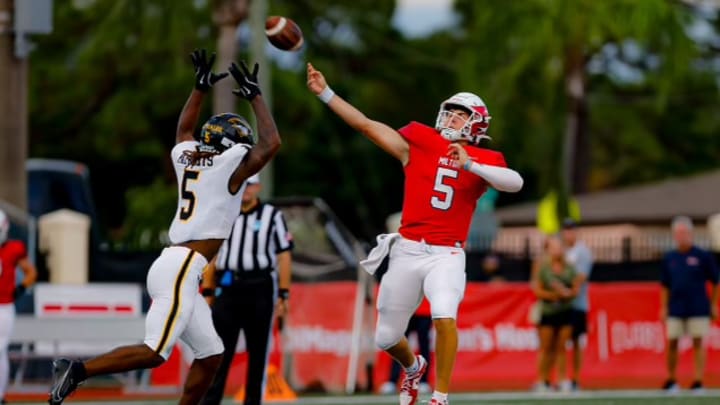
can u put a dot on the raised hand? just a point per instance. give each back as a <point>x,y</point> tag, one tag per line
<point>315,80</point>
<point>248,86</point>
<point>204,77</point>
<point>456,151</point>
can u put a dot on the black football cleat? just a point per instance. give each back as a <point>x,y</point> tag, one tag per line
<point>65,382</point>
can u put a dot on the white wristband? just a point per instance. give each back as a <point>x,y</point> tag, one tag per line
<point>326,94</point>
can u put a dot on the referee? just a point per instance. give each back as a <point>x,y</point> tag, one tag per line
<point>251,291</point>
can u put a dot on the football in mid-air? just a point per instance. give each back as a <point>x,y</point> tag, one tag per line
<point>283,33</point>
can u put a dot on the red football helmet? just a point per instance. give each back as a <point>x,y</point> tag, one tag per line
<point>476,126</point>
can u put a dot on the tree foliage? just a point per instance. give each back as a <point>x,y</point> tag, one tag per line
<point>108,84</point>
<point>541,46</point>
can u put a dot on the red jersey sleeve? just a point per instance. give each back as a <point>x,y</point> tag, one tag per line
<point>16,250</point>
<point>10,253</point>
<point>487,156</point>
<point>412,132</point>
<point>498,160</point>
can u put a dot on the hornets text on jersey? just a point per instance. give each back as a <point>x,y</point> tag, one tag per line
<point>206,207</point>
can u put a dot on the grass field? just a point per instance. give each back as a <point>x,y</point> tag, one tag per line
<point>583,398</point>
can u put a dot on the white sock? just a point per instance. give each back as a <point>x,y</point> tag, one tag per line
<point>440,396</point>
<point>414,368</point>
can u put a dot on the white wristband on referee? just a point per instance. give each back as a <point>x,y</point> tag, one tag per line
<point>326,94</point>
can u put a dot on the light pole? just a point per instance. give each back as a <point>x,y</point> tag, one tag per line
<point>227,14</point>
<point>258,13</point>
<point>17,18</point>
<point>13,113</point>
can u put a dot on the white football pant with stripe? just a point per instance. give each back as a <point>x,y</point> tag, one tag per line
<point>178,310</point>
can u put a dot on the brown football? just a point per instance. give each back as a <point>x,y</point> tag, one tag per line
<point>283,33</point>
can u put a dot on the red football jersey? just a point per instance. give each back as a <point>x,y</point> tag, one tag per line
<point>11,252</point>
<point>440,196</point>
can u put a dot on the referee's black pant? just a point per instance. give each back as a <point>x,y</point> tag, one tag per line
<point>249,305</point>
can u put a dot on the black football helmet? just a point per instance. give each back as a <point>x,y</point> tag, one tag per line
<point>222,131</point>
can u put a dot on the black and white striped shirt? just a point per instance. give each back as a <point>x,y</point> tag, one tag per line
<point>256,238</point>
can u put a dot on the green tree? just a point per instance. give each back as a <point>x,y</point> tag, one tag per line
<point>108,84</point>
<point>106,89</point>
<point>537,69</point>
<point>367,61</point>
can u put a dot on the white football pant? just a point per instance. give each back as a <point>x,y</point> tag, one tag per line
<point>178,310</point>
<point>414,269</point>
<point>7,321</point>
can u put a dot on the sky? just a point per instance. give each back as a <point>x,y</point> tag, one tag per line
<point>418,18</point>
<point>414,18</point>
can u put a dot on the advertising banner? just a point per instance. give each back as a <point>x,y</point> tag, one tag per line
<point>624,347</point>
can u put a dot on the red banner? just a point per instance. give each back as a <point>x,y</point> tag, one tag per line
<point>321,321</point>
<point>318,339</point>
<point>625,345</point>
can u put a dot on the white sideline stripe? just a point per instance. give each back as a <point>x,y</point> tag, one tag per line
<point>278,27</point>
<point>512,396</point>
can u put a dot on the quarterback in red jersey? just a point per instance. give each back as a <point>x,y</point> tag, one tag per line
<point>12,254</point>
<point>445,174</point>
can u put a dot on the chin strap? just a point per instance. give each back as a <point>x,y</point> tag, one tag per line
<point>453,135</point>
<point>479,138</point>
<point>450,134</point>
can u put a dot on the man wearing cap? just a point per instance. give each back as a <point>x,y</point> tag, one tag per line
<point>580,257</point>
<point>252,271</point>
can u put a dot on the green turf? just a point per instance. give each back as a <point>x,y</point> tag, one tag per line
<point>516,398</point>
<point>586,397</point>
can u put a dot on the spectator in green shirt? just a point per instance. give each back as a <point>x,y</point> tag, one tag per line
<point>555,283</point>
